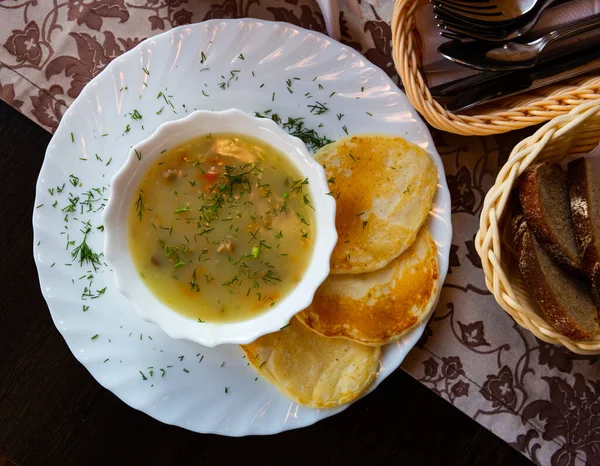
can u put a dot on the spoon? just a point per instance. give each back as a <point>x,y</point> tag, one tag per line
<point>511,55</point>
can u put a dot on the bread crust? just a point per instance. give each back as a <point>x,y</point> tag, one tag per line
<point>543,292</point>
<point>538,222</point>
<point>581,211</point>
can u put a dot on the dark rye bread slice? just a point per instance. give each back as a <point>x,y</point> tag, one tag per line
<point>544,195</point>
<point>564,299</point>
<point>584,191</point>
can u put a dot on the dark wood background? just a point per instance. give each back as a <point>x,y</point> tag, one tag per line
<point>52,412</point>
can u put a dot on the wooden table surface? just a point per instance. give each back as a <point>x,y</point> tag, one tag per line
<point>52,412</point>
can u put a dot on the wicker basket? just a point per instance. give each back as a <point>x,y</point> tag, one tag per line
<point>578,132</point>
<point>504,115</point>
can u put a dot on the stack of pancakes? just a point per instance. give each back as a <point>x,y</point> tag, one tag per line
<point>384,275</point>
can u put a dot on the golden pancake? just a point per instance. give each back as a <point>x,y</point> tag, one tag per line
<point>384,187</point>
<point>312,370</point>
<point>377,307</point>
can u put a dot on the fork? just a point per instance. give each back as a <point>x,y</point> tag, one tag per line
<point>496,11</point>
<point>470,28</point>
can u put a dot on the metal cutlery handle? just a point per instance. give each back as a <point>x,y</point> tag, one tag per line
<point>488,86</point>
<point>571,29</point>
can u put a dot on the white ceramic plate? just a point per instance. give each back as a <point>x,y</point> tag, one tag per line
<point>216,65</point>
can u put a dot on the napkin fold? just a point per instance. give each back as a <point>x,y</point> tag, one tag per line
<point>331,14</point>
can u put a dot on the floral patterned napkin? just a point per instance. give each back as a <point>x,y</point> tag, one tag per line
<point>541,399</point>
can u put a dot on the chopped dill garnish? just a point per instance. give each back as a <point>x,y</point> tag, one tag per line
<point>295,127</point>
<point>84,254</point>
<point>73,200</point>
<point>318,108</point>
<point>139,206</point>
<point>193,285</point>
<point>297,186</point>
<point>87,293</point>
<point>307,201</point>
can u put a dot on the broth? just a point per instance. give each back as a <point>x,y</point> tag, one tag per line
<point>222,227</point>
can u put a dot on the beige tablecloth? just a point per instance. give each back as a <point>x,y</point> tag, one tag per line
<point>539,398</point>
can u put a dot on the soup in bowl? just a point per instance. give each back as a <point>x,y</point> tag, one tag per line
<point>219,227</point>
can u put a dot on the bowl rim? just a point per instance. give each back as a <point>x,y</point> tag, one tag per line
<point>125,183</point>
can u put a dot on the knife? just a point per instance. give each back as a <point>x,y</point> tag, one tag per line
<point>490,86</point>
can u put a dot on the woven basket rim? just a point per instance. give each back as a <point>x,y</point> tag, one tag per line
<point>488,241</point>
<point>528,109</point>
